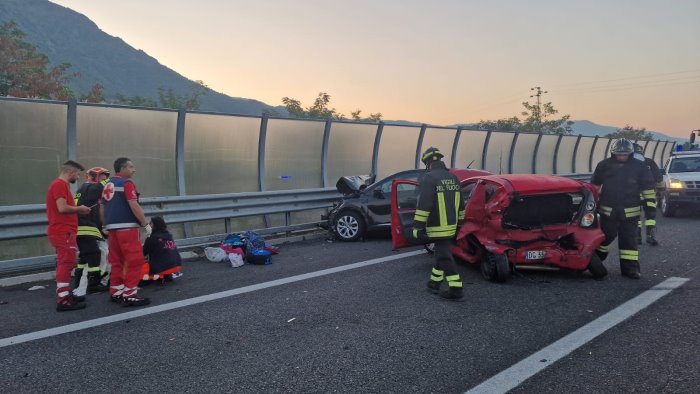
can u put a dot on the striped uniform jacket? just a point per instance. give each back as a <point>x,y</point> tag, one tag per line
<point>622,184</point>
<point>440,203</point>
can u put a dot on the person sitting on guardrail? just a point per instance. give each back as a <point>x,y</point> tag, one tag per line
<point>62,214</point>
<point>163,257</point>
<point>122,217</point>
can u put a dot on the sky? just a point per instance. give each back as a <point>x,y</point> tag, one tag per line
<point>441,62</point>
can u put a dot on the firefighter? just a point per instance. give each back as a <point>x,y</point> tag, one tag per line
<point>622,179</point>
<point>90,233</point>
<point>440,208</point>
<point>648,204</point>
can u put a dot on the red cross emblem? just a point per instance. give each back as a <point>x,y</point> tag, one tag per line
<point>108,191</point>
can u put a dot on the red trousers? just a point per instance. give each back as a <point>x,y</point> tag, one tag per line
<point>126,258</point>
<point>66,255</point>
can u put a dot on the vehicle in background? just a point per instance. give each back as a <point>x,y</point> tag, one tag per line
<point>681,182</point>
<point>367,208</point>
<point>516,221</point>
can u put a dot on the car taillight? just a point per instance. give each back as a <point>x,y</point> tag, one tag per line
<point>588,219</point>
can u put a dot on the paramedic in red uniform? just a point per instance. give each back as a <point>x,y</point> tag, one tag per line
<point>122,216</point>
<point>63,227</point>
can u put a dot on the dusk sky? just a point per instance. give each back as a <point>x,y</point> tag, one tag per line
<point>613,62</point>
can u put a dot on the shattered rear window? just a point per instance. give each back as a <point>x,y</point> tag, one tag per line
<point>527,212</point>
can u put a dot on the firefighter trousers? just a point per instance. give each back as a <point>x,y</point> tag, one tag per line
<point>445,267</point>
<point>614,226</point>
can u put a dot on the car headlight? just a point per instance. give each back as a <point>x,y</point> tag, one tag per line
<point>588,219</point>
<point>675,184</point>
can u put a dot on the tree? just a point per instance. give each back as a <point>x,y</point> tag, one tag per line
<point>321,110</point>
<point>167,98</point>
<point>538,118</point>
<point>96,94</point>
<point>25,72</point>
<point>632,134</point>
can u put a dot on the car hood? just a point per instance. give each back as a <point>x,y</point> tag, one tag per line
<point>685,176</point>
<point>349,185</point>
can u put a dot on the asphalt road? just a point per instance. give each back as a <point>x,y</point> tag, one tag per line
<point>367,328</point>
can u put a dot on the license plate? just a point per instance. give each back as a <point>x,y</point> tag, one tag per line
<point>534,254</point>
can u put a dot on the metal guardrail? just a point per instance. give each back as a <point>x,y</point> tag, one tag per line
<point>29,221</point>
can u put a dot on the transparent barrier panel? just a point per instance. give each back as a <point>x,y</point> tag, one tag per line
<point>584,153</point>
<point>470,149</point>
<point>524,149</point>
<point>566,154</point>
<point>293,154</point>
<point>545,154</point>
<point>601,151</point>
<point>397,150</point>
<point>32,149</point>
<point>498,152</point>
<point>442,139</point>
<point>221,154</point>
<point>350,148</point>
<point>146,137</point>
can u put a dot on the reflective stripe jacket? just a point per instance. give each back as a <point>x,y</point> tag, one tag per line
<point>89,195</point>
<point>440,203</point>
<point>622,184</point>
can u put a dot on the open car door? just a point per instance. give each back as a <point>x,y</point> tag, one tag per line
<point>404,199</point>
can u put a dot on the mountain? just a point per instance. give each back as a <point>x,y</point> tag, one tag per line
<point>66,36</point>
<point>588,128</point>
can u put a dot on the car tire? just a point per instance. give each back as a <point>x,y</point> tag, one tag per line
<point>597,268</point>
<point>667,208</point>
<point>349,226</point>
<point>495,267</point>
<point>430,248</point>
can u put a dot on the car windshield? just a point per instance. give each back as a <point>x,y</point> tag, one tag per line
<point>685,164</point>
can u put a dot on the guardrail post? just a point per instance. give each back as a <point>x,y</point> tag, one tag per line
<point>324,153</point>
<point>653,155</point>
<point>485,150</point>
<point>590,157</point>
<point>512,152</point>
<point>575,155</point>
<point>180,161</point>
<point>556,154</point>
<point>534,153</point>
<point>261,160</point>
<point>375,151</point>
<point>453,162</point>
<point>419,144</point>
<point>72,135</point>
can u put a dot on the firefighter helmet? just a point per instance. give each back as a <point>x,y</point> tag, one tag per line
<point>431,154</point>
<point>94,173</point>
<point>623,146</point>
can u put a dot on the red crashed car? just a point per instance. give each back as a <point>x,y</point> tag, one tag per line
<point>516,221</point>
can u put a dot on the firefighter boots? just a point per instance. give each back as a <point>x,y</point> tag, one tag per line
<point>630,269</point>
<point>651,236</point>
<point>434,286</point>
<point>452,294</point>
<point>94,284</point>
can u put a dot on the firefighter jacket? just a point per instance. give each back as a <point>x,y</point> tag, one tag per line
<point>89,195</point>
<point>117,211</point>
<point>440,204</point>
<point>622,184</point>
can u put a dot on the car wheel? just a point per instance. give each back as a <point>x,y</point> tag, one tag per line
<point>597,268</point>
<point>349,226</point>
<point>430,248</point>
<point>667,209</point>
<point>495,267</point>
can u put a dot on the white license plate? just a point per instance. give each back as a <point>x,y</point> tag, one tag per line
<point>534,254</point>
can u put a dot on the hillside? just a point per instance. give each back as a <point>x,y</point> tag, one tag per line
<point>66,36</point>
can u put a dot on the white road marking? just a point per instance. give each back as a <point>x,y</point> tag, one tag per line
<point>32,336</point>
<point>512,377</point>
